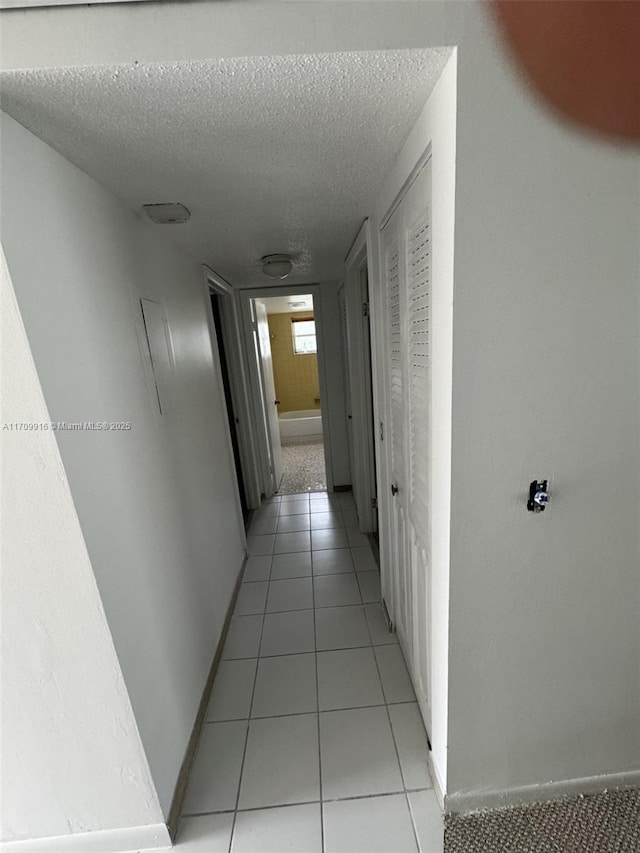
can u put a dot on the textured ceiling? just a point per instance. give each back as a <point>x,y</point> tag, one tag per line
<point>270,154</point>
<point>280,304</point>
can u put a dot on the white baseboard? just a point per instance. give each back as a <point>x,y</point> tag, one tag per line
<point>469,801</point>
<point>438,787</point>
<point>133,839</point>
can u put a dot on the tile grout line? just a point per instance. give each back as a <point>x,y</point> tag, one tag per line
<point>318,704</point>
<point>315,647</point>
<point>322,574</point>
<point>361,605</point>
<point>309,609</point>
<point>253,692</point>
<point>304,577</point>
<point>307,713</point>
<point>310,802</point>
<point>321,651</point>
<point>397,751</point>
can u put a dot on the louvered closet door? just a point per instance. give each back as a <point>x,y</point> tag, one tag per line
<point>399,603</point>
<point>408,265</point>
<point>419,422</point>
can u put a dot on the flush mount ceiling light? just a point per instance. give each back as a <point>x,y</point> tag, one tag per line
<point>169,213</point>
<point>276,266</point>
<point>297,304</point>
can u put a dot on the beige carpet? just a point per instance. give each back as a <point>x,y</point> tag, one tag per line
<point>303,462</point>
<point>603,823</point>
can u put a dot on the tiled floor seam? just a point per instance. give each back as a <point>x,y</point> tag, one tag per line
<point>306,609</point>
<point>312,575</point>
<point>315,646</point>
<point>310,802</point>
<point>307,713</point>
<point>371,796</point>
<point>395,746</point>
<point>246,737</point>
<point>323,651</point>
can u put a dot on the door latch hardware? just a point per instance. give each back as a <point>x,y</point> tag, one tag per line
<point>394,489</point>
<point>539,496</point>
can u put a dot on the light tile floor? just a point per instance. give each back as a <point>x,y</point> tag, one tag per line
<point>313,741</point>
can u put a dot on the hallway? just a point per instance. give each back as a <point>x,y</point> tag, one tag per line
<point>313,741</point>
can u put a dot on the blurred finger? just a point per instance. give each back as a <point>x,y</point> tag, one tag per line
<point>583,56</point>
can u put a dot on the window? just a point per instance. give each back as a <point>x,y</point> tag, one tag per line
<point>304,336</point>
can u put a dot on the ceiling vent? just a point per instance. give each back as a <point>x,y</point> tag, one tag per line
<point>169,213</point>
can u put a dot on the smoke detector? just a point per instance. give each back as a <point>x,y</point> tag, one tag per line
<point>276,266</point>
<point>168,213</point>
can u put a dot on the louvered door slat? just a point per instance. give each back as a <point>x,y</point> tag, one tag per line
<point>418,316</point>
<point>395,356</point>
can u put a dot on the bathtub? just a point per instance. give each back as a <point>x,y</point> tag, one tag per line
<point>304,424</point>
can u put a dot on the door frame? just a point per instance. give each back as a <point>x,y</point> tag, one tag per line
<point>240,394</point>
<point>362,383</point>
<point>245,296</point>
<point>266,401</point>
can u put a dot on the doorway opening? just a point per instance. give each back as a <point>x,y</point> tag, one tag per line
<point>293,362</point>
<point>216,310</point>
<point>357,335</point>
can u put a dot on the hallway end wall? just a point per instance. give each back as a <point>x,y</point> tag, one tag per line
<point>156,502</point>
<point>295,374</point>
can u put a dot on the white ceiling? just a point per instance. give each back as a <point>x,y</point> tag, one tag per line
<point>270,154</point>
<point>280,304</point>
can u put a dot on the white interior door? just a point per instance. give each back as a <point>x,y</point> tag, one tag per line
<point>269,400</point>
<point>368,419</point>
<point>346,361</point>
<point>406,247</point>
<point>397,604</point>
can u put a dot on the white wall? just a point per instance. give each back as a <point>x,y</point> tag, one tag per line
<point>544,629</point>
<point>72,759</point>
<point>435,128</point>
<point>157,504</point>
